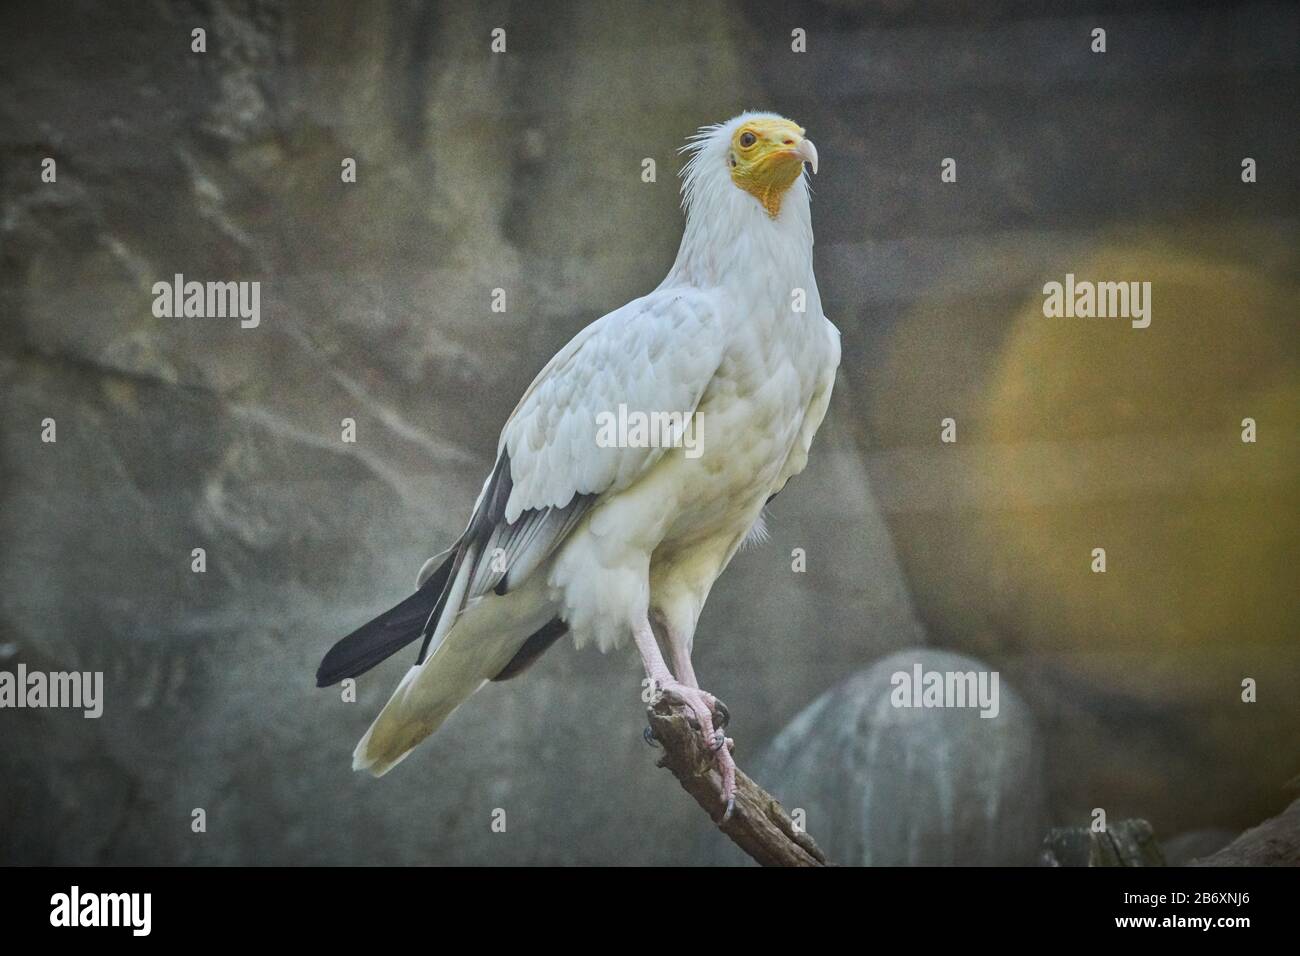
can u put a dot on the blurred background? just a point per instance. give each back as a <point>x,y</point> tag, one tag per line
<point>522,171</point>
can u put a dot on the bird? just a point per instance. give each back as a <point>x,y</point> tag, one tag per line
<point>595,523</point>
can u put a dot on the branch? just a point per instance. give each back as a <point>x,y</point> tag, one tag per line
<point>758,824</point>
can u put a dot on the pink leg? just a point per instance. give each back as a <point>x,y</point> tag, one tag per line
<point>685,671</point>
<point>702,704</point>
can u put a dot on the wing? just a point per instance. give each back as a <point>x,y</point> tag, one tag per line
<point>814,414</point>
<point>656,354</point>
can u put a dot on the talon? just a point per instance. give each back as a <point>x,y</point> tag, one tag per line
<point>724,715</point>
<point>718,741</point>
<point>648,735</point>
<point>731,805</point>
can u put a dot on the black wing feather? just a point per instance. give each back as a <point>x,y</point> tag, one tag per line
<point>385,635</point>
<point>419,614</point>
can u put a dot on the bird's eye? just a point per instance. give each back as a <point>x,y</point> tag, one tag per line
<point>747,139</point>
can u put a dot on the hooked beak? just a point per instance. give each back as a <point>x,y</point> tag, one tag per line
<point>807,152</point>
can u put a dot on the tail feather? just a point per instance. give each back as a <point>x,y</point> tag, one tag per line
<point>377,640</point>
<point>428,693</point>
<point>447,672</point>
<point>484,641</point>
<point>416,709</point>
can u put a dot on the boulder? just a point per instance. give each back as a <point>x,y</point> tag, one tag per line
<point>888,785</point>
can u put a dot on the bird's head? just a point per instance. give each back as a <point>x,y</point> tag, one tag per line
<point>763,154</point>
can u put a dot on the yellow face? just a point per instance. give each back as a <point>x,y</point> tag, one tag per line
<point>767,156</point>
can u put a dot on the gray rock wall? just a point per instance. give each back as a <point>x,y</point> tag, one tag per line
<point>519,172</point>
<point>523,172</point>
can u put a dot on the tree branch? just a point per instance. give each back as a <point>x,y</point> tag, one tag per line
<point>758,824</point>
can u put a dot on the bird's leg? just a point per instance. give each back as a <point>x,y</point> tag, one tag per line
<point>687,692</point>
<point>685,671</point>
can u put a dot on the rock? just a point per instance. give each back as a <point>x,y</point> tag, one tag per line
<point>1124,843</point>
<point>1275,842</point>
<point>1194,845</point>
<point>888,786</point>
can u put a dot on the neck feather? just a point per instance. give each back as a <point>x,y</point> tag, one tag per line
<point>729,235</point>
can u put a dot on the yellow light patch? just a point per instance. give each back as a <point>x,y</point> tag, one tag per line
<point>764,161</point>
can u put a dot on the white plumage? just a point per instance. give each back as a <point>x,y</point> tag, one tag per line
<point>613,542</point>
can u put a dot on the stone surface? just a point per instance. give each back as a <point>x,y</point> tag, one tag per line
<point>912,786</point>
<point>1187,847</point>
<point>523,172</point>
<point>475,172</point>
<point>1122,843</point>
<point>1275,842</point>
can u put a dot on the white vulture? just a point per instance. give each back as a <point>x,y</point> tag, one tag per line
<point>605,537</point>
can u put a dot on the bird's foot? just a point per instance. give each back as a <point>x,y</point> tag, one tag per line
<point>711,717</point>
<point>721,715</point>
